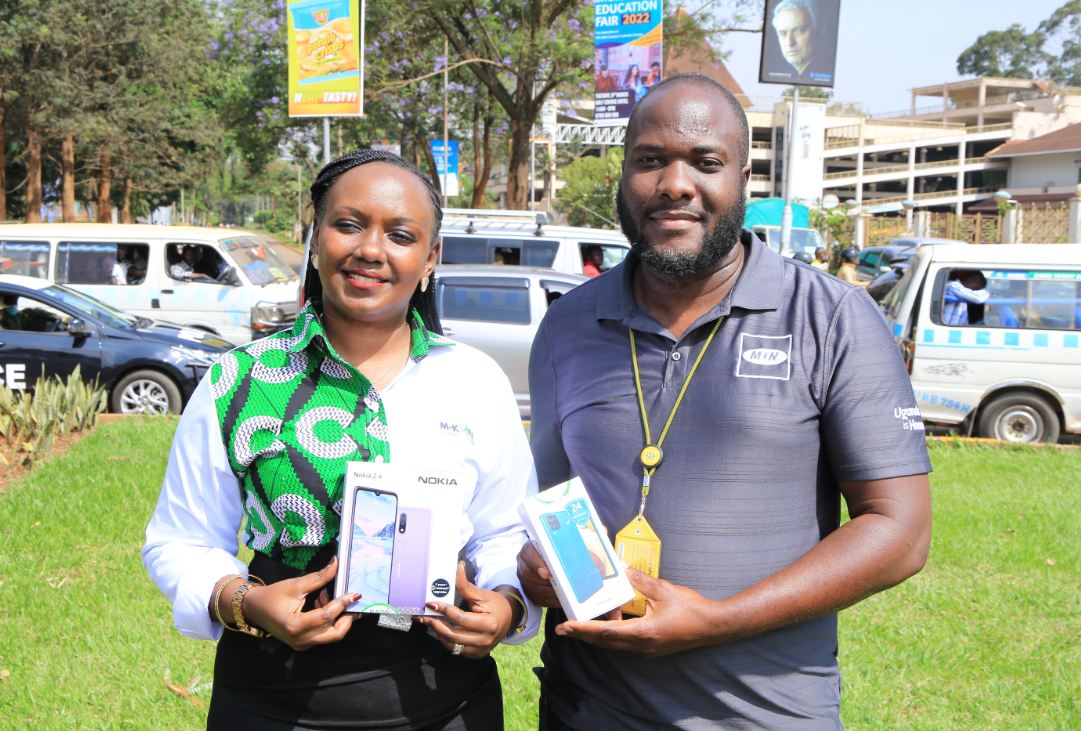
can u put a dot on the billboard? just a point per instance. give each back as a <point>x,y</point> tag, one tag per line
<point>627,50</point>
<point>805,161</point>
<point>326,58</point>
<point>449,178</point>
<point>799,42</point>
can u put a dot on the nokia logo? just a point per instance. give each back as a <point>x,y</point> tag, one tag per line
<point>765,356</point>
<point>437,480</point>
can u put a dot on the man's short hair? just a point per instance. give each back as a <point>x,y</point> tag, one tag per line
<point>807,6</point>
<point>737,109</point>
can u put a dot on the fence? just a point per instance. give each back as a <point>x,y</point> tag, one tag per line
<point>1039,223</point>
<point>975,228</point>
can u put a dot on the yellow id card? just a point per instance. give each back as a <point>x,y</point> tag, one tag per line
<point>640,548</point>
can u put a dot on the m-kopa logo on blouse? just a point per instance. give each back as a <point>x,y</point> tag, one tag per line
<point>765,356</point>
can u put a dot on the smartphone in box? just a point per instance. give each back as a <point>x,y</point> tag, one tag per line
<point>573,555</point>
<point>371,552</point>
<point>409,568</point>
<point>579,514</point>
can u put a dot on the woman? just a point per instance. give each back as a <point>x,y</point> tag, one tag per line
<point>633,79</point>
<point>363,375</point>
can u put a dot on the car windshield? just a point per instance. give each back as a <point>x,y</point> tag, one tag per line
<point>88,306</point>
<point>804,240</point>
<point>259,261</point>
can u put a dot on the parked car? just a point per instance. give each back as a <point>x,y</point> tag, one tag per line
<point>146,366</point>
<point>497,309</point>
<point>220,280</point>
<point>918,241</point>
<point>880,286</point>
<point>524,238</point>
<point>875,260</point>
<point>1010,367</point>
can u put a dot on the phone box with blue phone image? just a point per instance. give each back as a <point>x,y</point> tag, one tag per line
<point>400,537</point>
<point>564,527</point>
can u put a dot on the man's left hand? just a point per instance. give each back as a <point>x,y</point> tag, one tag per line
<point>676,619</point>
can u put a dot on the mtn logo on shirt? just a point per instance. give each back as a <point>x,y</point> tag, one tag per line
<point>765,356</point>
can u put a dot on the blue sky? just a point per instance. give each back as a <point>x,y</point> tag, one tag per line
<point>886,47</point>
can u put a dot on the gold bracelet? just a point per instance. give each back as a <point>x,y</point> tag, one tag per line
<point>214,604</point>
<point>238,613</point>
<point>525,611</point>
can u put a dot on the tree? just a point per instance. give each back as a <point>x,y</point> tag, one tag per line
<point>1010,53</point>
<point>520,51</point>
<point>1052,51</point>
<point>589,191</point>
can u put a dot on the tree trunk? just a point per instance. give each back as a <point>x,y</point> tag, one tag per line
<point>423,148</point>
<point>125,212</point>
<point>3,173</point>
<point>67,178</point>
<point>105,188</point>
<point>33,177</point>
<point>485,166</point>
<point>518,168</point>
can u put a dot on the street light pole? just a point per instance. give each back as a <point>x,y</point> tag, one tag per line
<point>786,215</point>
<point>446,121</point>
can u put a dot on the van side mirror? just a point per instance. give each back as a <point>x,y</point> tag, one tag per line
<point>228,276</point>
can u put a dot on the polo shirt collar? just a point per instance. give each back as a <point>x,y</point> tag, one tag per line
<point>758,286</point>
<point>308,330</point>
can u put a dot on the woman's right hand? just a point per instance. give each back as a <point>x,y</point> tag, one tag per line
<point>279,609</point>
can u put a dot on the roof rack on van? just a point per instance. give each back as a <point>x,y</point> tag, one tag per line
<point>497,219</point>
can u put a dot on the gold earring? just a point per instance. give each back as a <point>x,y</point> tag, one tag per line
<point>315,262</point>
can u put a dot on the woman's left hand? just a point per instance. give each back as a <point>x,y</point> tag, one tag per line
<point>484,625</point>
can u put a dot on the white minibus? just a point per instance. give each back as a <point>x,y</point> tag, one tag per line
<point>991,335</point>
<point>220,280</point>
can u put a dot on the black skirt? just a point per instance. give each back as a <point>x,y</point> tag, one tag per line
<point>375,678</point>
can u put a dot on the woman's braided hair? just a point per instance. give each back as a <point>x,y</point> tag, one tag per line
<point>422,302</point>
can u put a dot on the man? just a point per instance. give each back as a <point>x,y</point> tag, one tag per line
<point>795,23</point>
<point>821,260</point>
<point>847,271</point>
<point>605,81</point>
<point>184,269</point>
<point>594,260</point>
<point>965,287</point>
<point>793,406</point>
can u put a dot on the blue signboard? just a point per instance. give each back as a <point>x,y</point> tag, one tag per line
<point>449,180</point>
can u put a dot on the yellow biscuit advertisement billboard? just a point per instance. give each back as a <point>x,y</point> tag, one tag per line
<point>326,58</point>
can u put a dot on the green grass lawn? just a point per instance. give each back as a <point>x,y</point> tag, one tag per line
<point>986,636</point>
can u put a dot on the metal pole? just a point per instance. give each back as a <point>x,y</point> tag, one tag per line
<point>300,205</point>
<point>531,173</point>
<point>446,122</point>
<point>786,216</point>
<point>326,140</point>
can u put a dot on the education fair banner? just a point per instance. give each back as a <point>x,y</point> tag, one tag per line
<point>627,51</point>
<point>326,58</point>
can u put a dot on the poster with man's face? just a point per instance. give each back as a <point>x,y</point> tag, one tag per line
<point>799,44</point>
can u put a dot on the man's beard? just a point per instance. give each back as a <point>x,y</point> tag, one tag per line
<point>716,244</point>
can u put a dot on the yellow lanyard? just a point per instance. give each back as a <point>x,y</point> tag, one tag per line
<point>651,455</point>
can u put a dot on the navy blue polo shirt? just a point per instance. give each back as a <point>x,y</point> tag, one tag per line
<point>802,388</point>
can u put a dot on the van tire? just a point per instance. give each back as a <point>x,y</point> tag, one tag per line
<point>1019,417</point>
<point>146,392</point>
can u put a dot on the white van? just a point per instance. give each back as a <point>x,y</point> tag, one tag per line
<point>525,238</point>
<point>219,280</point>
<point>991,335</point>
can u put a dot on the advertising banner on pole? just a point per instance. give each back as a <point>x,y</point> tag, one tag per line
<point>449,178</point>
<point>326,58</point>
<point>808,147</point>
<point>627,51</point>
<point>799,44</point>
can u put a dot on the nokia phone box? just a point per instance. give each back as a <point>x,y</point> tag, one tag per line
<point>564,527</point>
<point>399,540</point>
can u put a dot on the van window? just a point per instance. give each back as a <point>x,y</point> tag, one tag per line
<point>193,263</point>
<point>85,263</point>
<point>480,250</point>
<point>28,258</point>
<point>485,303</point>
<point>613,253</point>
<point>260,262</point>
<point>1029,299</point>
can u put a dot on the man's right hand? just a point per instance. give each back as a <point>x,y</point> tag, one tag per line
<point>535,577</point>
